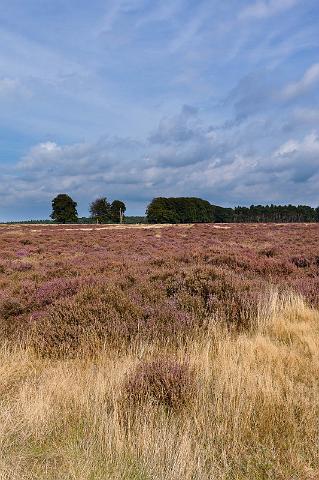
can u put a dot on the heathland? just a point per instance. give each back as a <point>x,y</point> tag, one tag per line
<point>159,352</point>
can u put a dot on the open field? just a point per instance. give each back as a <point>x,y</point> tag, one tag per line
<point>159,352</point>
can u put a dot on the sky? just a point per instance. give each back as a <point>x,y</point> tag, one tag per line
<point>133,99</point>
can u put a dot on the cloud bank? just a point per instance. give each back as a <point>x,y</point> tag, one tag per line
<point>141,98</point>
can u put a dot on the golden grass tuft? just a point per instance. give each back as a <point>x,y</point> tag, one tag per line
<point>254,410</point>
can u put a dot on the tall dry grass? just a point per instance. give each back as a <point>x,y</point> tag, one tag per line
<point>252,412</point>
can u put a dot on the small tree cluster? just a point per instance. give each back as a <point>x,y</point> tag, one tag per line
<point>64,210</point>
<point>103,212</point>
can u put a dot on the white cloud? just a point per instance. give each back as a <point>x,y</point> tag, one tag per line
<point>40,155</point>
<point>309,145</point>
<point>309,80</point>
<point>298,159</point>
<point>264,9</point>
<point>289,147</point>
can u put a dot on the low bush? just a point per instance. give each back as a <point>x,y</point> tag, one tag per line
<point>11,321</point>
<point>300,262</point>
<point>163,381</point>
<point>211,293</point>
<point>96,315</point>
<point>10,308</point>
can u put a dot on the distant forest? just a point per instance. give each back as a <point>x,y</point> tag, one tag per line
<point>196,210</point>
<point>264,214</point>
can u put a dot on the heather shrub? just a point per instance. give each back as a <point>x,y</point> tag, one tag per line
<point>94,316</point>
<point>273,268</point>
<point>300,262</point>
<point>269,252</point>
<point>21,266</point>
<point>54,289</point>
<point>207,292</point>
<point>106,314</point>
<point>10,308</point>
<point>163,381</point>
<point>11,320</point>
<point>236,306</point>
<point>309,289</point>
<point>25,241</point>
<point>22,253</point>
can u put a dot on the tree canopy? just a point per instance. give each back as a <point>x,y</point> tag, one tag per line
<point>100,210</point>
<point>64,209</point>
<point>118,209</point>
<point>179,210</point>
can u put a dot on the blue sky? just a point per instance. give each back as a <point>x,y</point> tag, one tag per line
<point>133,99</point>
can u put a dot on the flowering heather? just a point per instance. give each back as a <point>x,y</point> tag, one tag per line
<point>148,283</point>
<point>175,352</point>
<point>51,290</point>
<point>164,381</point>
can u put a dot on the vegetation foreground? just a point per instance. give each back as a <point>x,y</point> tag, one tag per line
<point>182,352</point>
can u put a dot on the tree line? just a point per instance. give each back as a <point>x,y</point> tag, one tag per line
<point>196,210</point>
<point>182,210</point>
<point>267,214</point>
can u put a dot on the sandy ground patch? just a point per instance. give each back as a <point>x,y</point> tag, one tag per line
<point>89,228</point>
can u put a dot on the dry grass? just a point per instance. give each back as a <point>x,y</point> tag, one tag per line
<point>253,412</point>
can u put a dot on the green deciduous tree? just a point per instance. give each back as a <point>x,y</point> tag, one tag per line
<point>64,209</point>
<point>117,211</point>
<point>100,210</point>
